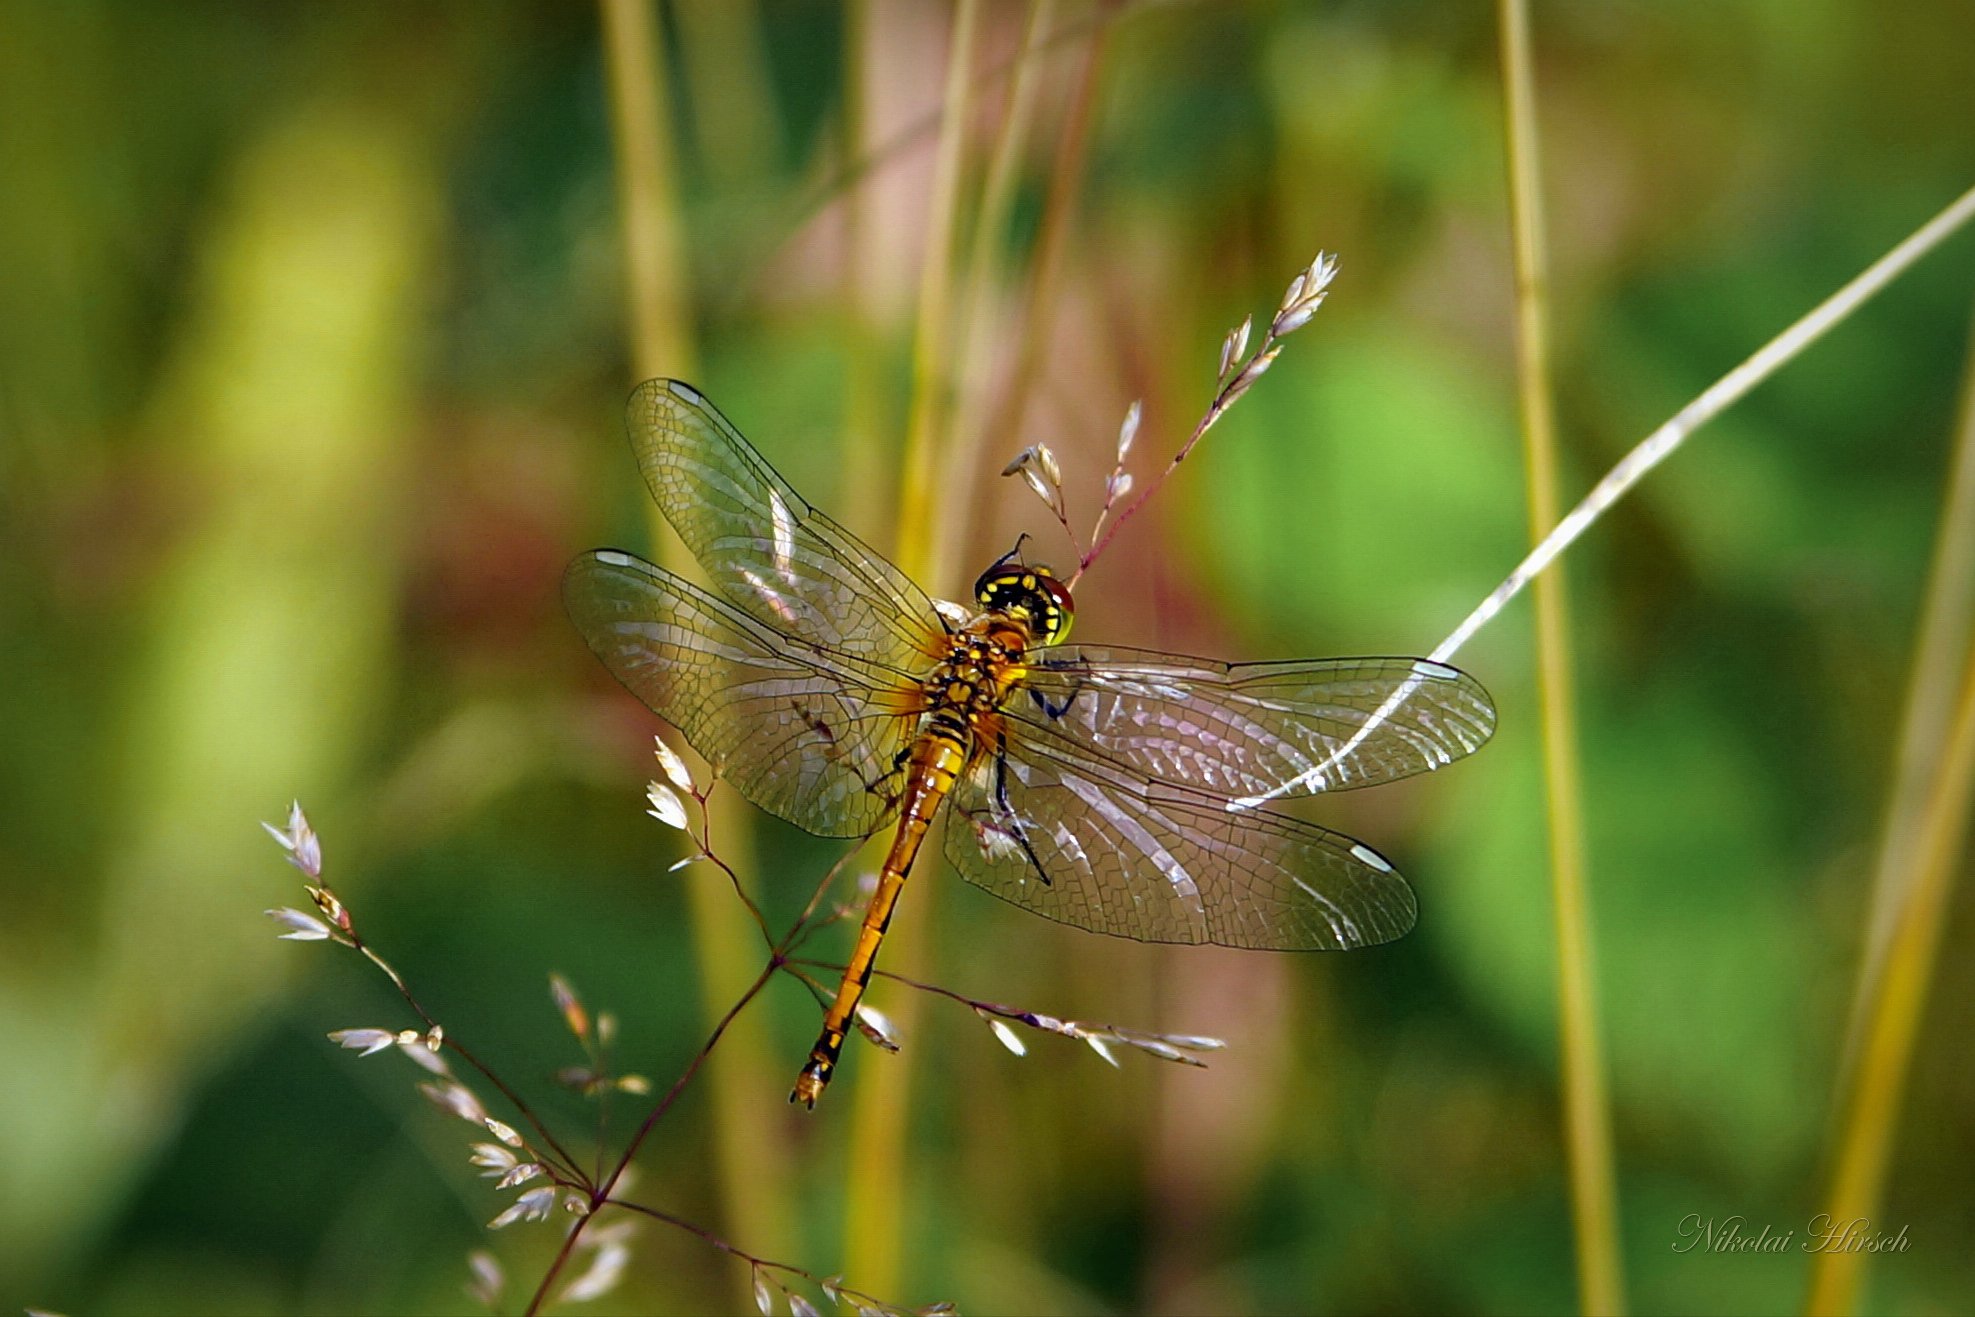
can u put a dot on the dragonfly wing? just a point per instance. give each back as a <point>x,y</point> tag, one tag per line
<point>1077,839</point>
<point>764,548</point>
<point>1246,729</point>
<point>806,733</point>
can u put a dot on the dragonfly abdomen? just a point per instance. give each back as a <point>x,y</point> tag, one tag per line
<point>937,758</point>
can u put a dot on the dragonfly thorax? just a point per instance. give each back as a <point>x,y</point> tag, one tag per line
<point>977,671</point>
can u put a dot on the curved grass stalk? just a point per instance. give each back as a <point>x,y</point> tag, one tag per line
<point>1873,1099</point>
<point>863,485</point>
<point>1649,453</point>
<point>881,1103</point>
<point>1587,1118</point>
<point>1710,403</point>
<point>749,1163</point>
<point>929,422</point>
<point>974,354</point>
<point>1052,241</point>
<point>1944,629</point>
<point>1925,828</point>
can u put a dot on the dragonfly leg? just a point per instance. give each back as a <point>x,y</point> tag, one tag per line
<point>881,785</point>
<point>1056,711</point>
<point>1007,810</point>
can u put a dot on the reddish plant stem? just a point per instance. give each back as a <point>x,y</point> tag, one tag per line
<point>600,1194</point>
<point>1237,383</point>
<point>705,840</point>
<point>568,1164</point>
<point>753,1260</point>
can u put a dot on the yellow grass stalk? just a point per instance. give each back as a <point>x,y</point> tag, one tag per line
<point>1053,237</point>
<point>975,349</point>
<point>1587,1120</point>
<point>726,66</point>
<point>654,247</point>
<point>865,479</point>
<point>881,1102</point>
<point>1889,1034</point>
<point>749,1145</point>
<point>1931,690</point>
<point>1925,827</point>
<point>920,496</point>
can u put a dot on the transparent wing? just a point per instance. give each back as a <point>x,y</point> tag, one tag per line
<point>780,560</point>
<point>808,734</point>
<point>1079,840</point>
<point>1245,729</point>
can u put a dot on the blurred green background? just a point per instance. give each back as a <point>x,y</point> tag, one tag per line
<point>312,348</point>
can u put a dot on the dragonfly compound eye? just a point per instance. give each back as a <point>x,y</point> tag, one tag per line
<point>1030,594</point>
<point>1059,610</point>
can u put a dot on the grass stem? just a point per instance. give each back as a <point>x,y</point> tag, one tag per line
<point>1717,398</point>
<point>1052,243</point>
<point>1872,1101</point>
<point>654,244</point>
<point>974,353</point>
<point>881,1102</point>
<point>749,1160</point>
<point>1925,828</point>
<point>1944,630</point>
<point>929,421</point>
<point>1587,1119</point>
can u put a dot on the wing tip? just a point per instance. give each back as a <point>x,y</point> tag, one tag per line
<point>1484,714</point>
<point>1366,855</point>
<point>584,569</point>
<point>666,384</point>
<point>656,394</point>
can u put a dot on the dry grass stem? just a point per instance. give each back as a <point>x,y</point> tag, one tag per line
<point>1925,831</point>
<point>1945,618</point>
<point>1878,1081</point>
<point>881,1103</point>
<point>928,424</point>
<point>1032,330</point>
<point>1649,453</point>
<point>1587,1118</point>
<point>749,1160</point>
<point>304,850</point>
<point>1175,1047</point>
<point>846,179</point>
<point>529,1152</point>
<point>1711,402</point>
<point>974,352</point>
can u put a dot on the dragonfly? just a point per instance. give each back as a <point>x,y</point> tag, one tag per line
<point>1106,788</point>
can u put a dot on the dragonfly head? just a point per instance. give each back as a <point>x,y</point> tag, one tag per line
<point>1029,595</point>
